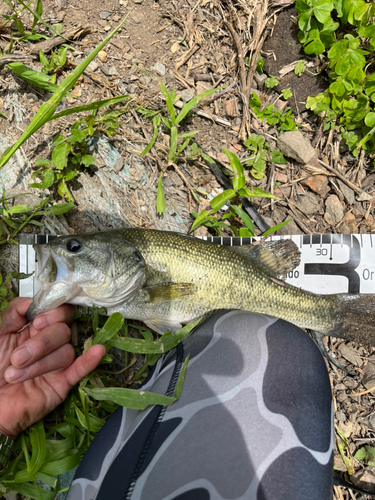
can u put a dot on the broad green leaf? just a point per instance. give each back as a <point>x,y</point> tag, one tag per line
<point>366,455</point>
<point>77,136</point>
<point>287,93</point>
<point>160,201</point>
<point>314,45</point>
<point>276,228</point>
<point>238,180</point>
<point>221,199</point>
<point>43,59</point>
<point>353,11</point>
<point>305,13</point>
<point>59,139</point>
<point>300,68</point>
<point>95,423</point>
<point>42,162</point>
<point>193,102</point>
<point>60,208</point>
<point>31,491</point>
<point>61,466</point>
<point>110,328</point>
<point>318,103</point>
<point>130,398</point>
<point>369,120</point>
<point>245,218</point>
<point>271,82</point>
<point>47,109</point>
<point>164,344</point>
<point>48,180</point>
<point>278,157</point>
<point>203,217</point>
<point>40,80</point>
<point>60,155</point>
<point>87,160</point>
<point>64,192</point>
<point>322,10</point>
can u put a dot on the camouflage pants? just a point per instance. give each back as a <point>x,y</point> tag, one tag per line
<point>254,422</point>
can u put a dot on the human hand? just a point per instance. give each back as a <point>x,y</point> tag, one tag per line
<point>37,366</point>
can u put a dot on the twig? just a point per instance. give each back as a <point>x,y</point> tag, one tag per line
<point>363,196</point>
<point>186,56</point>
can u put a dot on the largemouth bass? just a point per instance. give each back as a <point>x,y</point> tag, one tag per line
<point>167,279</point>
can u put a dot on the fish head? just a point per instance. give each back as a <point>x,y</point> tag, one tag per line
<point>95,269</point>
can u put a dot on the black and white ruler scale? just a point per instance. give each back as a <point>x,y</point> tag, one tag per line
<point>330,263</point>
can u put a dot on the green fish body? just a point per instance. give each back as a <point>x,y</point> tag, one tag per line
<point>167,279</point>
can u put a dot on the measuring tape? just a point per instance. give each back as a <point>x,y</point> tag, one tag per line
<point>330,263</point>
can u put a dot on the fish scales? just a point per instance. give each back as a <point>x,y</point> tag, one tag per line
<point>224,279</point>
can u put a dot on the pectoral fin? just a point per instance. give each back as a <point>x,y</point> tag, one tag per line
<point>277,257</point>
<point>163,292</point>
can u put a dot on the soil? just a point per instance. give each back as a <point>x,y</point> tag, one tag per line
<point>190,46</point>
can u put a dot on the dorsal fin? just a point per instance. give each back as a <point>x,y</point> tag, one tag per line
<point>277,257</point>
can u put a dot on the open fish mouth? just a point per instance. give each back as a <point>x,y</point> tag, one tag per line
<point>52,274</point>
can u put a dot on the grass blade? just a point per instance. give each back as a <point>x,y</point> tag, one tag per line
<point>190,105</point>
<point>46,111</point>
<point>90,107</point>
<point>173,146</point>
<point>40,80</point>
<point>245,218</point>
<point>130,398</point>
<point>156,123</point>
<point>160,200</point>
<point>111,327</point>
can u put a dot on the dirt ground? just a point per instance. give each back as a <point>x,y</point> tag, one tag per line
<point>194,46</point>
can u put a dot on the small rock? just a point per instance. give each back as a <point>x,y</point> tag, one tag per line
<point>102,56</point>
<point>347,192</point>
<point>290,228</point>
<point>318,184</point>
<point>93,66</point>
<point>159,68</point>
<point>116,18</point>
<point>32,97</point>
<point>294,145</point>
<point>309,204</point>
<point>368,379</point>
<point>62,4</point>
<point>107,28</point>
<point>334,210</point>
<point>145,80</point>
<point>137,17</point>
<point>133,88</point>
<point>231,108</point>
<point>280,177</point>
<point>280,105</point>
<point>340,416</point>
<point>112,71</point>
<point>350,354</point>
<point>364,479</point>
<point>104,14</point>
<point>351,383</point>
<point>187,95</point>
<point>138,1</point>
<point>260,79</point>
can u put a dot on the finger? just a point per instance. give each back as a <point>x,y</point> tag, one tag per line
<point>81,367</point>
<point>57,360</point>
<point>62,314</point>
<point>40,345</point>
<point>13,318</point>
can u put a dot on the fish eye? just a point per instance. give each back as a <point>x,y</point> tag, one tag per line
<point>73,246</point>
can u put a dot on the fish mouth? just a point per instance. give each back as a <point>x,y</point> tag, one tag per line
<point>52,275</point>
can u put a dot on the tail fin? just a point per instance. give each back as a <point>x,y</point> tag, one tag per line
<point>356,318</point>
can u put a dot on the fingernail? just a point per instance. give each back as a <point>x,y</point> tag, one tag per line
<point>22,355</point>
<point>12,374</point>
<point>41,322</point>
